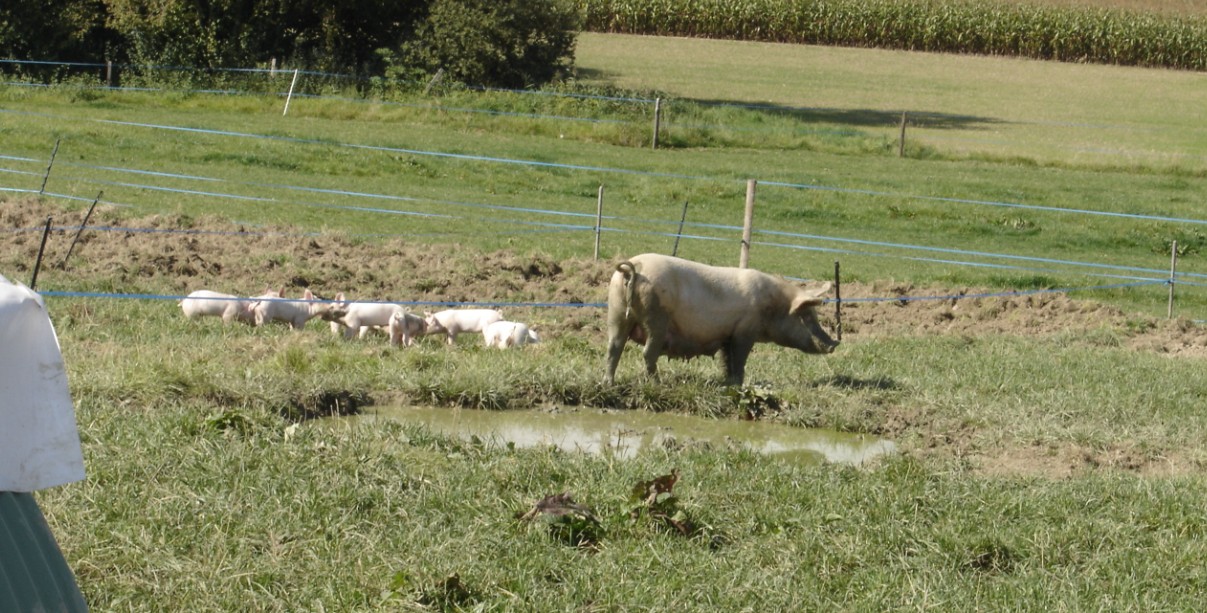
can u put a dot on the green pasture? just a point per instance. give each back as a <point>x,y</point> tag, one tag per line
<point>979,199</point>
<point>1047,472</point>
<point>206,490</point>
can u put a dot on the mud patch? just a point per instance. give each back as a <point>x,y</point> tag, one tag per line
<point>214,254</point>
<point>1070,460</point>
<point>174,255</point>
<point>1040,314</point>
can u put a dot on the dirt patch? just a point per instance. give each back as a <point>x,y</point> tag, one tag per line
<point>179,254</point>
<point>1069,460</point>
<point>174,255</point>
<point>964,313</point>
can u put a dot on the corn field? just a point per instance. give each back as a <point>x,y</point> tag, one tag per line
<point>1098,35</point>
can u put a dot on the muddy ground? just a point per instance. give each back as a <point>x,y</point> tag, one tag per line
<point>174,255</point>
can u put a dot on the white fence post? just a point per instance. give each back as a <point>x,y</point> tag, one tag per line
<point>290,96</point>
<point>598,219</point>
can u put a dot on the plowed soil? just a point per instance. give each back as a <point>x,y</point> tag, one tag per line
<point>176,255</point>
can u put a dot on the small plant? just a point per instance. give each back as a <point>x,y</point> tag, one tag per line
<point>567,521</point>
<point>991,556</point>
<point>1018,223</point>
<point>656,500</point>
<point>229,421</point>
<point>755,401</point>
<point>448,594</point>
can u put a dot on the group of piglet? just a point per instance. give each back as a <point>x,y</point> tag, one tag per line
<point>351,319</point>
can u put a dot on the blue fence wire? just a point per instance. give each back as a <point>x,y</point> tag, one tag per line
<point>628,171</point>
<point>919,119</point>
<point>610,219</point>
<point>546,226</point>
<point>543,226</point>
<point>595,305</point>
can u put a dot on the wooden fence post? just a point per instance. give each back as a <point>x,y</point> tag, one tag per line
<point>657,122</point>
<point>435,80</point>
<point>901,140</point>
<point>837,302</point>
<point>747,224</point>
<point>598,219</point>
<point>78,232</point>
<point>33,282</point>
<point>682,218</point>
<point>49,165</point>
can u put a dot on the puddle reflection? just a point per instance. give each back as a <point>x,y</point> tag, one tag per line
<point>625,433</point>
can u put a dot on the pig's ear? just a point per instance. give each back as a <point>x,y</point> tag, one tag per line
<point>803,302</point>
<point>820,290</point>
<point>339,297</point>
<point>308,295</point>
<point>807,298</point>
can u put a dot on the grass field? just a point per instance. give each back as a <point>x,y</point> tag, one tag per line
<point>1046,463</point>
<point>980,200</point>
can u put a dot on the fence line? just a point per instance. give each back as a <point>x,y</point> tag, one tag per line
<point>628,171</point>
<point>668,123</point>
<point>722,227</point>
<point>570,227</point>
<point>549,227</point>
<point>788,110</point>
<point>501,304</point>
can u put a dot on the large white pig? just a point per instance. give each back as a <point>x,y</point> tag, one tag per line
<point>683,309</point>
<point>504,334</point>
<point>455,321</point>
<point>294,312</point>
<point>405,328</point>
<point>359,318</point>
<point>207,303</point>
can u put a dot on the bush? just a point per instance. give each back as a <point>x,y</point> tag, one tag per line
<point>500,43</point>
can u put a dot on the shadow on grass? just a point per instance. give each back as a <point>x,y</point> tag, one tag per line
<point>853,383</point>
<point>863,117</point>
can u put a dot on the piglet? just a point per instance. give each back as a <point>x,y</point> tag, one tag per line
<point>455,321</point>
<point>504,334</point>
<point>294,312</point>
<point>207,303</point>
<point>360,317</point>
<point>405,328</point>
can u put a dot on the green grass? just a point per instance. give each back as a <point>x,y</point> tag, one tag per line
<point>208,489</point>
<point>865,196</point>
<point>200,491</point>
<point>1044,472</point>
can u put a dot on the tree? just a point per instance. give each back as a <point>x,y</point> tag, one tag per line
<point>68,30</point>
<point>504,43</point>
<point>509,43</point>
<point>333,35</point>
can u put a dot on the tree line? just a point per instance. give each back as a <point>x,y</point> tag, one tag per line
<point>505,43</point>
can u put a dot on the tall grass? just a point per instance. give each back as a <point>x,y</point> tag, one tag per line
<point>1034,30</point>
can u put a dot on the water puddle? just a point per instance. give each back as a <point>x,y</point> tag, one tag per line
<point>625,433</point>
